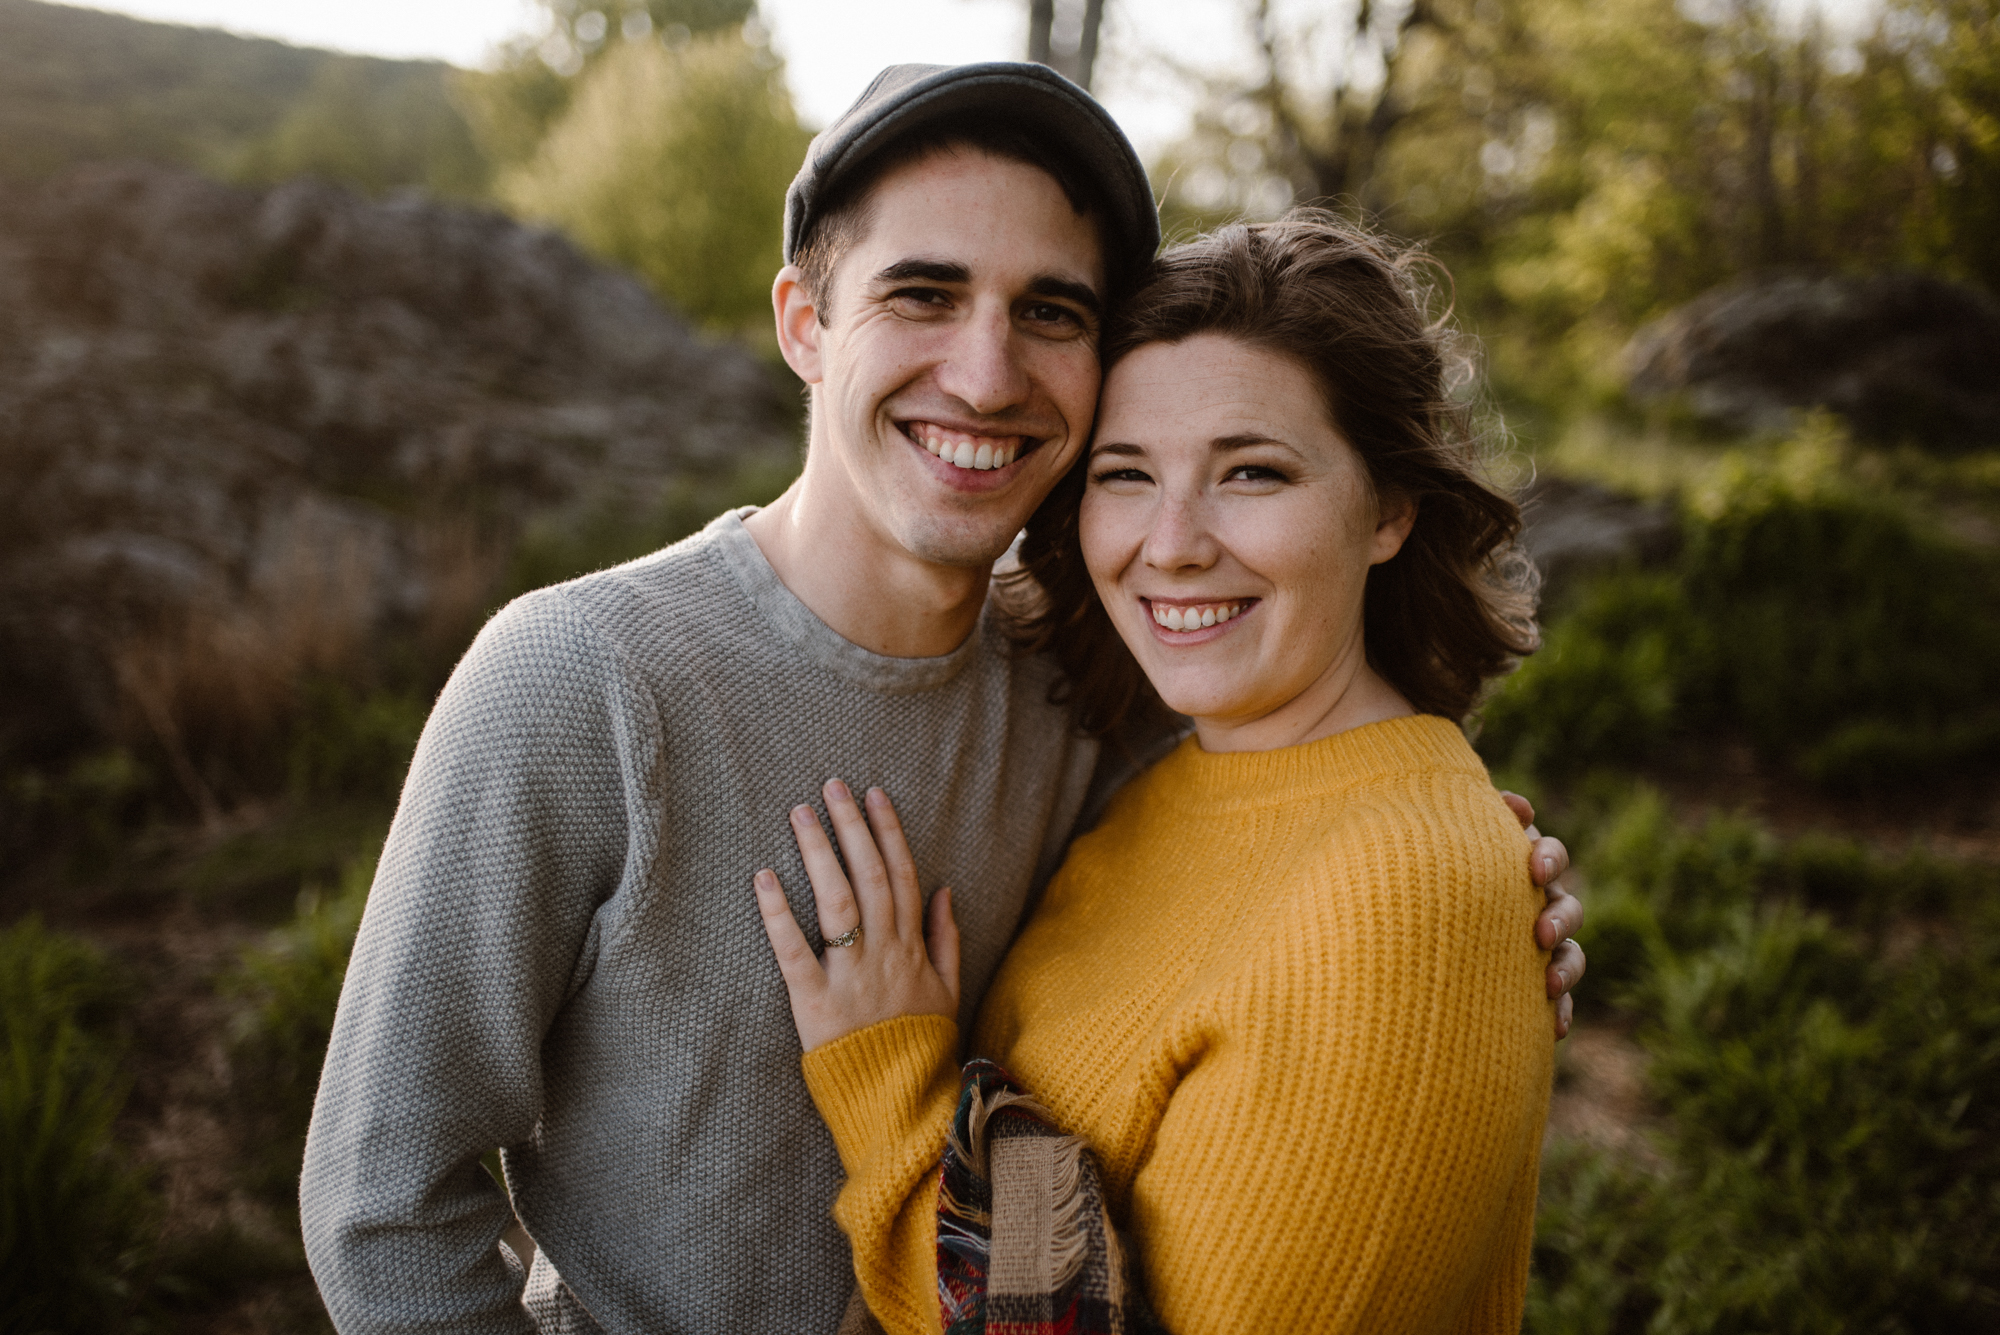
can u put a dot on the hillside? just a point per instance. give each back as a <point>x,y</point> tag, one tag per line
<point>79,85</point>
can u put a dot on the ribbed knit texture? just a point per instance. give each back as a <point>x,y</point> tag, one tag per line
<point>562,955</point>
<point>1293,1000</point>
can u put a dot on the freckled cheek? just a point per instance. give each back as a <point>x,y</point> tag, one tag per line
<point>1110,534</point>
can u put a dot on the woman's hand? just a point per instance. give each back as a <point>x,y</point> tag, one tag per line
<point>1559,920</point>
<point>893,966</point>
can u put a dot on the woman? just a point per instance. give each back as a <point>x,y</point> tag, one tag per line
<point>1280,524</point>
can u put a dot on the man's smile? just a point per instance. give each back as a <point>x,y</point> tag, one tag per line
<point>967,450</point>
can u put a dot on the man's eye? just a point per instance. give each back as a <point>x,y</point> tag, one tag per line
<point>1048,313</point>
<point>919,296</point>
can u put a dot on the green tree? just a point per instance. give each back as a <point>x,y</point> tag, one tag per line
<point>512,105</point>
<point>374,125</point>
<point>674,163</point>
<point>1584,165</point>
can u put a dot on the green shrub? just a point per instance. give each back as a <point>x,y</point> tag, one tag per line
<point>76,1216</point>
<point>292,987</point>
<point>1822,625</point>
<point>1829,1109</point>
<point>354,744</point>
<point>1603,687</point>
<point>1847,638</point>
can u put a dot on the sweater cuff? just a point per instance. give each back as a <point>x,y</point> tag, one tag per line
<point>876,1085</point>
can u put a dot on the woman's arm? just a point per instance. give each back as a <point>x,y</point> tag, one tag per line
<point>876,1020</point>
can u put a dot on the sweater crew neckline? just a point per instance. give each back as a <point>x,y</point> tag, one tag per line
<point>1225,780</point>
<point>797,624</point>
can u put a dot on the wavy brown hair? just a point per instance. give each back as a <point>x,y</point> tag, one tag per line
<point>1455,606</point>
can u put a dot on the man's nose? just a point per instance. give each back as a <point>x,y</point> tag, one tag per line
<point>1179,538</point>
<point>983,368</point>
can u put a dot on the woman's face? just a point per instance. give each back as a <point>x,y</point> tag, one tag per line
<point>1229,530</point>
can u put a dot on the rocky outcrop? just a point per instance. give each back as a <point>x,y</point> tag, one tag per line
<point>1573,530</point>
<point>1901,356</point>
<point>301,418</point>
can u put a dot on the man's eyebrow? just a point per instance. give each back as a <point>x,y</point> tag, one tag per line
<point>1050,285</point>
<point>930,271</point>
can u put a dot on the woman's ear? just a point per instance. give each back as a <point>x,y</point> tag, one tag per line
<point>799,328</point>
<point>1393,522</point>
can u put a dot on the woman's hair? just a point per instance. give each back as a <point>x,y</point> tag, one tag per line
<point>1454,606</point>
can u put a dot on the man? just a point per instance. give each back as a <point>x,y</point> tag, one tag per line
<point>562,955</point>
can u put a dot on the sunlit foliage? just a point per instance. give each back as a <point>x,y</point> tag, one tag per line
<point>674,162</point>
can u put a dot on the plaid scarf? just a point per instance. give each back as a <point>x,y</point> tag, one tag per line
<point>1025,1246</point>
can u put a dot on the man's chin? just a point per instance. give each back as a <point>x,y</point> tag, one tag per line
<point>963,545</point>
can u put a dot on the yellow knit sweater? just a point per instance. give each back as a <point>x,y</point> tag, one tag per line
<point>1293,1000</point>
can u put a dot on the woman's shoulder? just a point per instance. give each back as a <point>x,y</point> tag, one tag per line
<point>1427,820</point>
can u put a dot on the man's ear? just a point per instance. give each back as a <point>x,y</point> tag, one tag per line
<point>1393,522</point>
<point>799,328</point>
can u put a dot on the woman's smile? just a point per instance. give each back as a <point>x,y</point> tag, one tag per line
<point>1182,621</point>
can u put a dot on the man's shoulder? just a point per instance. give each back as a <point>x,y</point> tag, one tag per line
<point>686,577</point>
<point>620,613</point>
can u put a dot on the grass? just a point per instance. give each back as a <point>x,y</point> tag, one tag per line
<point>288,990</point>
<point>1822,1032</point>
<point>76,1214</point>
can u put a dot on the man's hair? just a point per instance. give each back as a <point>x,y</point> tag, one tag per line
<point>845,217</point>
<point>1455,605</point>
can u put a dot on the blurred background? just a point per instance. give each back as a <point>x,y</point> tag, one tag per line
<point>326,329</point>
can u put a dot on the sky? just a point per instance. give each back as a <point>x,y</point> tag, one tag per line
<point>831,47</point>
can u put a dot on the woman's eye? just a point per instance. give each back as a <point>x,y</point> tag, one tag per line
<point>1253,473</point>
<point>1120,475</point>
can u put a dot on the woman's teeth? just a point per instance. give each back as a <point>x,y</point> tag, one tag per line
<point>962,451</point>
<point>1194,618</point>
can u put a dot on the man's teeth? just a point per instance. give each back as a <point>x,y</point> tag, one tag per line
<point>979,453</point>
<point>1194,618</point>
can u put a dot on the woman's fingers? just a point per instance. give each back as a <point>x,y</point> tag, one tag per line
<point>1523,809</point>
<point>941,939</point>
<point>895,850</point>
<point>833,897</point>
<point>865,871</point>
<point>795,958</point>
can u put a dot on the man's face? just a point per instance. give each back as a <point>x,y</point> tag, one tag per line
<point>958,375</point>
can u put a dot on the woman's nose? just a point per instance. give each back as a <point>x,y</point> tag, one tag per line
<point>982,367</point>
<point>1179,538</point>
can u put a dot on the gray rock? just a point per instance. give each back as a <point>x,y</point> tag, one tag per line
<point>1573,530</point>
<point>1902,356</point>
<point>272,427</point>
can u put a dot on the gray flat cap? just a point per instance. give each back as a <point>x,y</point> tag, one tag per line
<point>1031,98</point>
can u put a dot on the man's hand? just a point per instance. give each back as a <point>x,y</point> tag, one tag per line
<point>1547,861</point>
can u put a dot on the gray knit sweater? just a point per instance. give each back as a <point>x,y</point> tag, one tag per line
<point>562,957</point>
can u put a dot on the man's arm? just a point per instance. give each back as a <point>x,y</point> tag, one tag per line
<point>511,832</point>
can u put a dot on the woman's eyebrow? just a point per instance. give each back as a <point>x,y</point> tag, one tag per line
<point>1118,447</point>
<point>1224,444</point>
